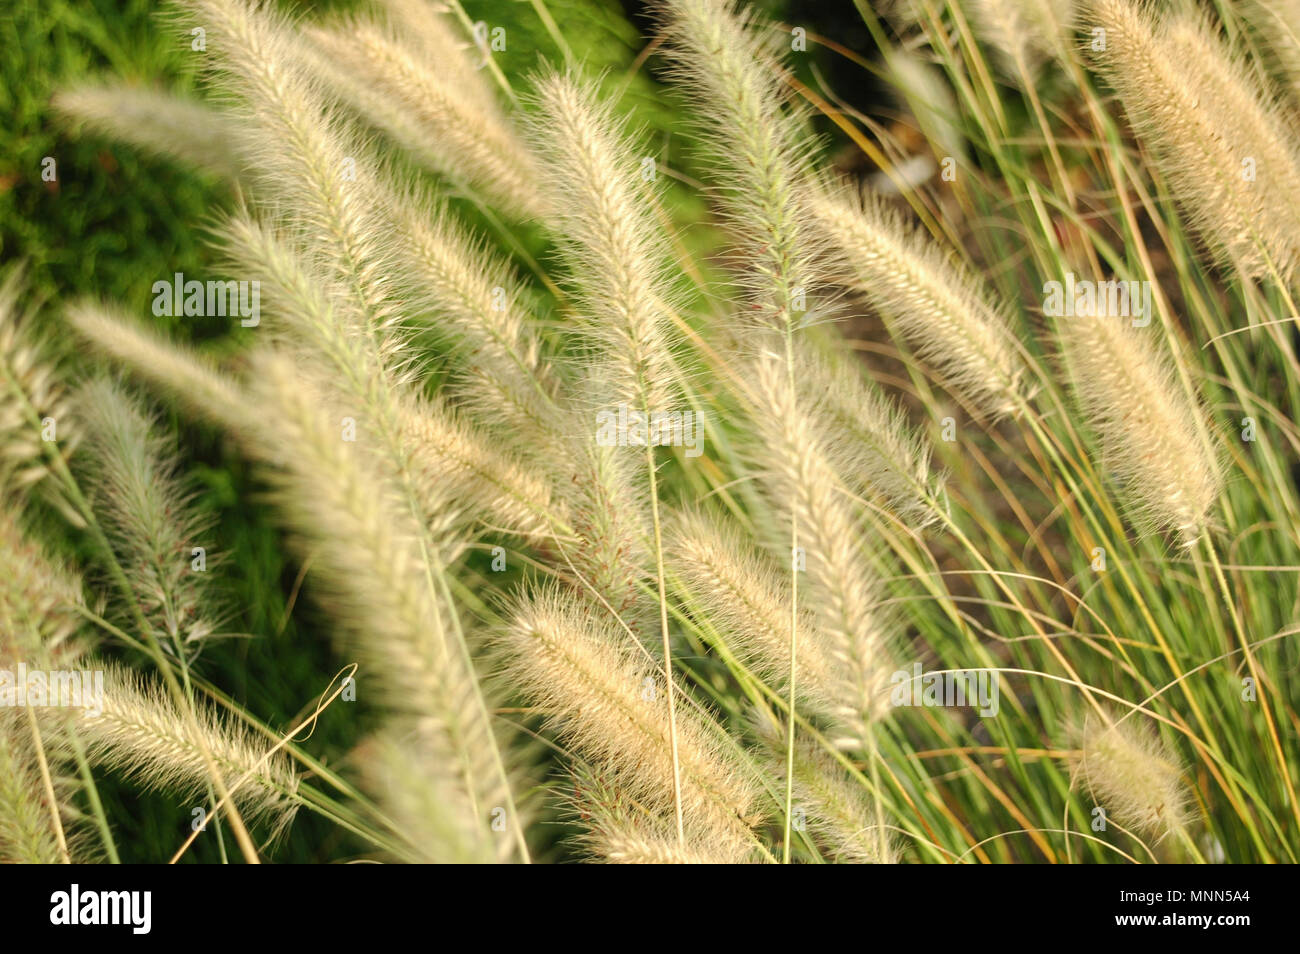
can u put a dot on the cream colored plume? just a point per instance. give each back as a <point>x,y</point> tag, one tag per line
<point>841,587</point>
<point>142,734</point>
<point>1133,774</point>
<point>1230,156</point>
<point>431,96</point>
<point>606,699</point>
<point>165,124</point>
<point>940,308</point>
<point>1150,436</point>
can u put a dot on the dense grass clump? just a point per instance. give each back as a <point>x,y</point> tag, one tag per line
<point>611,500</point>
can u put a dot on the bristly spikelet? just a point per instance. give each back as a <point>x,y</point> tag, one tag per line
<point>430,31</point>
<point>605,493</point>
<point>1127,767</point>
<point>1276,25</point>
<point>746,597</point>
<point>761,148</point>
<point>1151,439</point>
<point>620,831</point>
<point>185,377</point>
<point>28,832</point>
<point>142,734</point>
<point>379,568</point>
<point>831,806</point>
<point>302,156</point>
<point>428,806</point>
<point>468,296</point>
<point>424,439</point>
<point>430,27</point>
<point>938,307</point>
<point>311,307</point>
<point>612,243</point>
<point>165,124</point>
<point>841,587</point>
<point>624,848</point>
<point>148,516</point>
<point>347,506</point>
<point>433,101</point>
<point>1229,154</point>
<point>606,699</point>
<point>33,405</point>
<point>838,811</point>
<point>38,601</point>
<point>867,437</point>
<point>473,474</point>
<point>360,366</point>
<point>38,619</point>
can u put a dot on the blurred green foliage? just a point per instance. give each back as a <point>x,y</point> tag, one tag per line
<point>112,220</point>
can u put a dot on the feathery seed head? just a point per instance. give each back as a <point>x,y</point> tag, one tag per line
<point>1129,769</point>
<point>612,243</point>
<point>1276,24</point>
<point>475,476</point>
<point>939,308</point>
<point>28,832</point>
<point>381,563</point>
<point>148,515</point>
<point>208,393</point>
<point>607,495</point>
<point>833,807</point>
<point>33,406</point>
<point>38,601</point>
<point>304,157</point>
<point>608,702</point>
<point>165,124</point>
<point>429,807</point>
<point>763,150</point>
<point>617,830</point>
<point>446,116</point>
<point>867,438</point>
<point>842,587</point>
<point>473,301</point>
<point>350,511</point>
<point>142,734</point>
<point>746,597</point>
<point>1229,154</point>
<point>1150,436</point>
